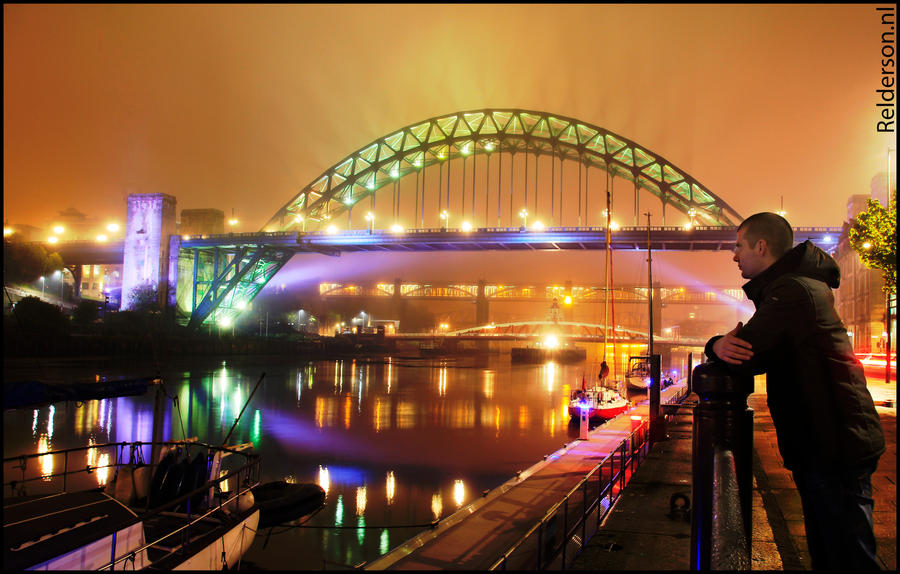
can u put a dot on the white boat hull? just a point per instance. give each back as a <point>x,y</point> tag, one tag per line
<point>235,544</point>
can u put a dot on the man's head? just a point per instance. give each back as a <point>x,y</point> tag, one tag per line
<point>761,240</point>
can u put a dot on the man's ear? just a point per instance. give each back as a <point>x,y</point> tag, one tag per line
<point>761,247</point>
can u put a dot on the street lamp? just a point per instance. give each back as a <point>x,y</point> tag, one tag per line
<point>58,274</point>
<point>444,217</point>
<point>370,217</point>
<point>524,215</point>
<point>43,282</point>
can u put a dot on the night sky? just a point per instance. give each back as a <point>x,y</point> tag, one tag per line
<point>238,107</point>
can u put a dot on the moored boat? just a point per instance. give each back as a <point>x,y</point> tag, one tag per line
<point>637,376</point>
<point>599,402</point>
<point>175,519</point>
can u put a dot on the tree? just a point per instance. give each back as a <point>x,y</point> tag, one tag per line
<point>33,315</point>
<point>86,312</point>
<point>873,235</point>
<point>144,298</point>
<point>25,262</point>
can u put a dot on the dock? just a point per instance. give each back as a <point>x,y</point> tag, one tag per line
<point>477,536</point>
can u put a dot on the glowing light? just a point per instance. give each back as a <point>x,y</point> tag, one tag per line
<point>360,500</point>
<point>466,149</point>
<point>370,216</point>
<point>185,237</point>
<point>232,222</point>
<point>614,226</point>
<point>225,322</point>
<point>299,219</point>
<point>827,239</point>
<point>567,300</point>
<point>391,486</point>
<point>101,238</point>
<point>551,342</point>
<point>394,173</point>
<point>459,492</point>
<point>444,214</point>
<point>537,226</point>
<point>466,226</point>
<point>103,469</point>
<point>58,229</point>
<point>7,231</point>
<point>370,186</point>
<point>324,481</point>
<point>332,229</point>
<point>112,227</point>
<point>489,146</point>
<point>867,245</point>
<point>437,506</point>
<point>241,305</point>
<point>53,239</point>
<point>396,228</point>
<point>348,201</point>
<point>688,226</point>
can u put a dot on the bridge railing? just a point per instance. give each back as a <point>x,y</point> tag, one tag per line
<point>561,532</point>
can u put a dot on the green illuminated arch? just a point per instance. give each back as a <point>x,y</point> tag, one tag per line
<point>448,137</point>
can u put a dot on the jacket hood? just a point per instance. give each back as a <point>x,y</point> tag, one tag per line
<point>805,260</point>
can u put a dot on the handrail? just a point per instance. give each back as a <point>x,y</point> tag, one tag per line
<point>638,451</point>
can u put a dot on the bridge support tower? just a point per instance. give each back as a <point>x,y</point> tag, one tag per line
<point>482,307</point>
<point>149,224</point>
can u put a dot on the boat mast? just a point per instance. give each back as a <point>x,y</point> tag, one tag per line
<point>649,289</point>
<point>607,265</point>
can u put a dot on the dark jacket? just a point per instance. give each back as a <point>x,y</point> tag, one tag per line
<point>823,413</point>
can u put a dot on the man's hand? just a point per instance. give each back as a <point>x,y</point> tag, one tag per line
<point>731,348</point>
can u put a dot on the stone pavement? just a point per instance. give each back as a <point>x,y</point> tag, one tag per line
<point>644,531</point>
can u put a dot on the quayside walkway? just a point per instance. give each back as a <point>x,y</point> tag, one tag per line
<point>478,536</point>
<point>645,531</point>
<point>649,525</point>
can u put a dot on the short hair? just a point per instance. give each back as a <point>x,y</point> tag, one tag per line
<point>773,228</point>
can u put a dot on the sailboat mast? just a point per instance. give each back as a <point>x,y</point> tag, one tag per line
<point>649,289</point>
<point>607,264</point>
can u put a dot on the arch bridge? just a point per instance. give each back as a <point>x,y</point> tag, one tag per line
<point>498,179</point>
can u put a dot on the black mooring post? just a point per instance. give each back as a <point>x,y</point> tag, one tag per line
<point>657,420</point>
<point>723,431</point>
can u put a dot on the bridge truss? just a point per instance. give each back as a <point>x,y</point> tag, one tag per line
<point>488,133</point>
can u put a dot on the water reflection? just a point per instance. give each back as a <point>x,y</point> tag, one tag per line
<point>459,492</point>
<point>427,428</point>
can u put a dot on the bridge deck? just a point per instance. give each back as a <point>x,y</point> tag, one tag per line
<point>475,537</point>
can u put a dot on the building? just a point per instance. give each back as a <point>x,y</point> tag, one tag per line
<point>860,300</point>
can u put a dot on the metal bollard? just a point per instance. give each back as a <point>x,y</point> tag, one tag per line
<point>722,432</point>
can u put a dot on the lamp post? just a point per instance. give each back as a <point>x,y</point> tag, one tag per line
<point>58,274</point>
<point>43,282</point>
<point>524,215</point>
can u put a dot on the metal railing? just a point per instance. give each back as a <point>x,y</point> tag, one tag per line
<point>547,542</point>
<point>245,478</point>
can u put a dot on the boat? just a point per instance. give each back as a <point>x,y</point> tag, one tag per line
<point>599,402</point>
<point>194,507</point>
<point>637,376</point>
<point>281,501</point>
<point>541,354</point>
<point>195,512</point>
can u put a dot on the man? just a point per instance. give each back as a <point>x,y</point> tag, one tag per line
<point>828,430</point>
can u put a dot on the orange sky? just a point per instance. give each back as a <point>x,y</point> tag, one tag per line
<point>241,106</point>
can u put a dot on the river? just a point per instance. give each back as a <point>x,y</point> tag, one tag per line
<point>395,442</point>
